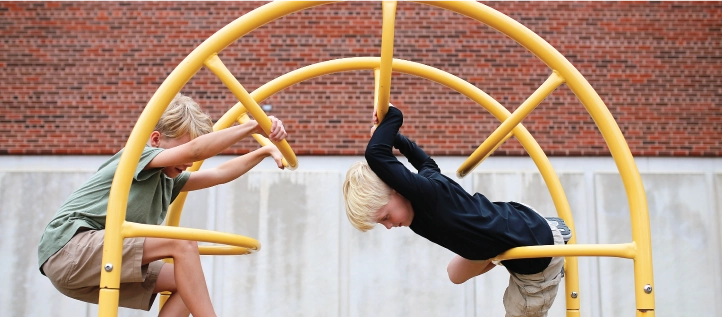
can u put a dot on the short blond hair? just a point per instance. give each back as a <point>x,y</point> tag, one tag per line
<point>364,193</point>
<point>183,116</point>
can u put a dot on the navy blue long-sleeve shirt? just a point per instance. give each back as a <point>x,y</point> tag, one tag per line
<point>444,213</point>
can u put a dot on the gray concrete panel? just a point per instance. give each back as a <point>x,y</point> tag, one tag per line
<point>681,223</point>
<point>28,201</point>
<point>296,218</point>
<point>313,263</point>
<point>716,248</point>
<point>398,273</point>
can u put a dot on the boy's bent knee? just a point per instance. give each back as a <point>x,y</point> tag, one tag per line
<point>185,246</point>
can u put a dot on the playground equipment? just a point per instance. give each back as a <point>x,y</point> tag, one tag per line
<point>639,250</point>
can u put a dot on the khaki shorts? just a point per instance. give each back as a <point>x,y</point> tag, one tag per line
<point>533,294</point>
<point>75,270</point>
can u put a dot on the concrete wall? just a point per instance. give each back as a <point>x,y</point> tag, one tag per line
<point>313,263</point>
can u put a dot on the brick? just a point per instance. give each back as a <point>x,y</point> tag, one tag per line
<point>76,75</point>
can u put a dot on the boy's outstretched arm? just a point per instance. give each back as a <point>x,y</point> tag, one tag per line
<point>211,144</point>
<point>232,169</point>
<point>380,157</point>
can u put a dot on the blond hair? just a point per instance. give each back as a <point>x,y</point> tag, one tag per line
<point>183,116</point>
<point>364,193</point>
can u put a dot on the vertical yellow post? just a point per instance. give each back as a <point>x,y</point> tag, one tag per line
<point>383,76</point>
<point>377,76</point>
<point>108,302</point>
<point>380,111</point>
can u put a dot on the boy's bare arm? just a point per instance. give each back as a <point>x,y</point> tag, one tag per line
<point>461,270</point>
<point>232,169</point>
<point>206,146</point>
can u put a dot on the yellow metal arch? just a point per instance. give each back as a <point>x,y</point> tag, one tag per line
<point>561,72</point>
<point>117,228</point>
<point>639,213</point>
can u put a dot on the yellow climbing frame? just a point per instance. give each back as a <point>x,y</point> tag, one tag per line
<point>561,72</point>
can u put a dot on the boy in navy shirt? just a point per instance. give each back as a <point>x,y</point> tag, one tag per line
<point>382,190</point>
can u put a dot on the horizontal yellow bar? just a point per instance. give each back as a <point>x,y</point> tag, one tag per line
<point>623,250</point>
<point>132,229</point>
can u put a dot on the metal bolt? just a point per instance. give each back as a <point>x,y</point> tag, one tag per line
<point>574,294</point>
<point>648,289</point>
<point>108,267</point>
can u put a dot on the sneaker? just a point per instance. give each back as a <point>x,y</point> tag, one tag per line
<point>562,226</point>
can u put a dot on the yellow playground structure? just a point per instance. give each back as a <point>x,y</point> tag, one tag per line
<point>561,72</point>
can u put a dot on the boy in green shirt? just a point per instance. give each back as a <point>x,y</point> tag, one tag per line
<point>71,248</point>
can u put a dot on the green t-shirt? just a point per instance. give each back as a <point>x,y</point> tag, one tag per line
<point>151,192</point>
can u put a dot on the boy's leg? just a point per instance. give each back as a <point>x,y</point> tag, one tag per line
<point>186,276</point>
<point>174,306</point>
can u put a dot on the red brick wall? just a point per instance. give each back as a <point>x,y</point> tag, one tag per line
<point>76,75</point>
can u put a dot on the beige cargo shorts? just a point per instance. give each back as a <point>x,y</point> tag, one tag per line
<point>531,295</point>
<point>75,270</point>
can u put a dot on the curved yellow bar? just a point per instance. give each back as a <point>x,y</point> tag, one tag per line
<point>503,132</point>
<point>216,66</point>
<point>383,80</point>
<point>636,197</point>
<point>118,200</point>
<point>223,250</point>
<point>132,229</point>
